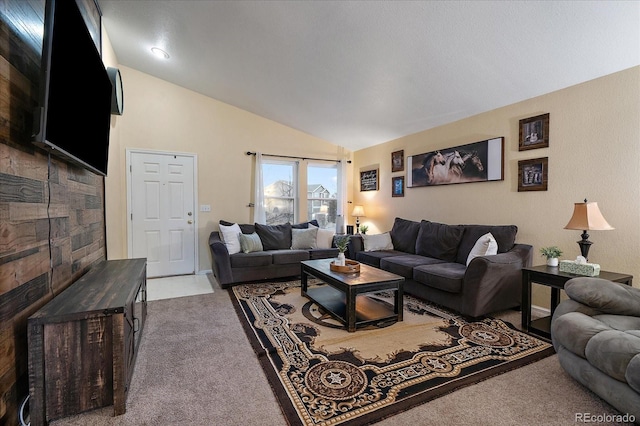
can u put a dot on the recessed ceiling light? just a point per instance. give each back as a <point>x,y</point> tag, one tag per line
<point>159,53</point>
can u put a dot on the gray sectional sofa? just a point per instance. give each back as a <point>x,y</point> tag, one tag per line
<point>596,333</point>
<point>432,257</point>
<point>276,259</point>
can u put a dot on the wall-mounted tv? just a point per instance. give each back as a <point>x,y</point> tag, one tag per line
<point>73,117</point>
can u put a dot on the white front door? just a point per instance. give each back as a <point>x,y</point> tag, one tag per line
<point>162,216</point>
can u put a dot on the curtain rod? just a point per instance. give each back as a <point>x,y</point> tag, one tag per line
<point>297,158</point>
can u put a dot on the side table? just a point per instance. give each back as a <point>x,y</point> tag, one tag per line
<point>552,277</point>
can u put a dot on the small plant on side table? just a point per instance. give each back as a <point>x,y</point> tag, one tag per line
<point>551,253</point>
<point>364,229</point>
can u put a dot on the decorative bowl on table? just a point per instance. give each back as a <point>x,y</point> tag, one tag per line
<point>350,267</point>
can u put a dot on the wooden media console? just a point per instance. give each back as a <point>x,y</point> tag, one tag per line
<point>83,343</point>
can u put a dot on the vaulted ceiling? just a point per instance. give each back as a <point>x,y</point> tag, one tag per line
<point>360,73</point>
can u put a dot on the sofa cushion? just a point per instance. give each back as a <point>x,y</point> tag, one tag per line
<point>377,242</point>
<point>485,246</point>
<point>248,260</point>
<point>443,276</point>
<point>403,265</point>
<point>505,236</point>
<point>574,330</point>
<point>325,253</point>
<point>230,237</point>
<point>404,234</point>
<point>246,228</point>
<point>250,242</point>
<point>274,237</point>
<point>439,240</point>
<point>372,258</point>
<point>303,238</point>
<point>611,350</point>
<point>305,225</point>
<point>284,257</point>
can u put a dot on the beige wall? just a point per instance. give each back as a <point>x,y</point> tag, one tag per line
<point>162,116</point>
<point>594,152</point>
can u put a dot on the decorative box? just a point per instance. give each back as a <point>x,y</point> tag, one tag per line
<point>586,269</point>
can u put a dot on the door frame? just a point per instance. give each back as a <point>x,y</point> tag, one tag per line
<point>129,152</point>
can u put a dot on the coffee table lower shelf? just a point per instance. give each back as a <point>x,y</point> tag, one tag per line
<point>368,310</point>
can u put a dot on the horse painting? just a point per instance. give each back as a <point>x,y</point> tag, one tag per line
<point>423,175</point>
<point>461,164</point>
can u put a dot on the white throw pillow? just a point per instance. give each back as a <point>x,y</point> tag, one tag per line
<point>302,239</point>
<point>231,237</point>
<point>377,242</point>
<point>324,238</point>
<point>485,246</point>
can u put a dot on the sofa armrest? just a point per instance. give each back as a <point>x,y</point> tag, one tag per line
<point>220,260</point>
<point>356,244</point>
<point>493,282</point>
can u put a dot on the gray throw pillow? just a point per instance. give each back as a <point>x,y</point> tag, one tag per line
<point>274,237</point>
<point>246,228</point>
<point>250,242</point>
<point>438,240</point>
<point>404,234</point>
<point>304,238</point>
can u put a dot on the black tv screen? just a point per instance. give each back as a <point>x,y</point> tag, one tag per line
<point>74,116</point>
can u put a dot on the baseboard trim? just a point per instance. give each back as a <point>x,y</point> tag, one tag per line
<point>539,310</point>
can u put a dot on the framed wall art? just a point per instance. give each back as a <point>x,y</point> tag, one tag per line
<point>533,174</point>
<point>397,161</point>
<point>369,180</point>
<point>397,186</point>
<point>475,162</point>
<point>534,132</point>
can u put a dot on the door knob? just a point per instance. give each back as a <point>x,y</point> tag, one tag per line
<point>189,222</point>
<point>189,213</point>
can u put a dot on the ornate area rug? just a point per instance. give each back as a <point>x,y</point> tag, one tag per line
<point>324,375</point>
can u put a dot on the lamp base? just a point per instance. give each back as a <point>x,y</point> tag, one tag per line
<point>585,245</point>
<point>357,225</point>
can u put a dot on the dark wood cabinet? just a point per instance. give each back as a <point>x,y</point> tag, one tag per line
<point>83,343</point>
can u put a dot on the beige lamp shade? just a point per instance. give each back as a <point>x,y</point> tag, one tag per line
<point>587,216</point>
<point>358,211</point>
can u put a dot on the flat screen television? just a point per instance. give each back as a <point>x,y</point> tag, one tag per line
<point>73,117</point>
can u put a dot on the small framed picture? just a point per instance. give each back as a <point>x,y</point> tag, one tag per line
<point>397,186</point>
<point>369,180</point>
<point>397,161</point>
<point>533,174</point>
<point>534,132</point>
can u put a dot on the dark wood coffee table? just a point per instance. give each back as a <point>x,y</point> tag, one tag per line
<point>343,296</point>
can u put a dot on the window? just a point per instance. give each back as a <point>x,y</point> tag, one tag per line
<point>322,194</point>
<point>281,194</point>
<point>280,178</point>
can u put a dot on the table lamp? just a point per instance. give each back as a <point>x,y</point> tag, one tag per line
<point>587,217</point>
<point>358,212</point>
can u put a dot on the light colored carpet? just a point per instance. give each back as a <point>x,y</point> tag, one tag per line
<point>196,367</point>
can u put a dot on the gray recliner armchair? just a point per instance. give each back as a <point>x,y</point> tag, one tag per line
<point>596,334</point>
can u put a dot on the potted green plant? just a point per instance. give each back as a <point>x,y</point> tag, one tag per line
<point>342,243</point>
<point>551,253</point>
<point>364,229</point>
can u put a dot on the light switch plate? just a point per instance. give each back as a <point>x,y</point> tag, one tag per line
<point>205,207</point>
